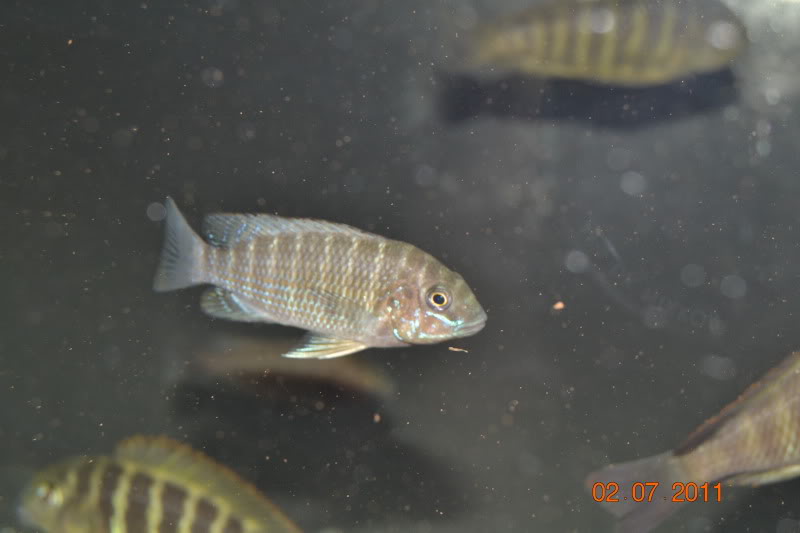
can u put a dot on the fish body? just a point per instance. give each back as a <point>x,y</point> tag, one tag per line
<point>635,43</point>
<point>753,441</point>
<point>148,485</point>
<point>350,289</point>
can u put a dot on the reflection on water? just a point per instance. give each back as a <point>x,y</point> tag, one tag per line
<point>671,247</point>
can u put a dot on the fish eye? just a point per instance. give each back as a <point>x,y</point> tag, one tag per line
<point>48,493</point>
<point>438,299</point>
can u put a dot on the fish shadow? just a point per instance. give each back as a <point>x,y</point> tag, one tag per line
<point>325,454</point>
<point>462,98</point>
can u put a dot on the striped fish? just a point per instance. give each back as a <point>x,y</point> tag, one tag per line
<point>753,441</point>
<point>633,43</point>
<point>149,485</point>
<point>350,289</point>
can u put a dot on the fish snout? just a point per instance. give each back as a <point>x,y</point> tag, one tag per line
<point>472,326</point>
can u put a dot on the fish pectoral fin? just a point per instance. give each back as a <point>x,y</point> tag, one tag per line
<point>315,346</point>
<point>221,303</point>
<point>755,479</point>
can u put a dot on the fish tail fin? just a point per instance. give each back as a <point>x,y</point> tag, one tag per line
<point>640,517</point>
<point>182,253</point>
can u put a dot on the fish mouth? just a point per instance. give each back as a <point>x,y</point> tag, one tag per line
<point>472,327</point>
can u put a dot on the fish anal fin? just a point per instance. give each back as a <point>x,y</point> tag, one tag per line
<point>221,303</point>
<point>314,346</point>
<point>228,229</point>
<point>755,479</point>
<point>195,469</point>
<point>789,368</point>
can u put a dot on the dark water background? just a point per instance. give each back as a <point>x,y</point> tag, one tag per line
<point>328,109</point>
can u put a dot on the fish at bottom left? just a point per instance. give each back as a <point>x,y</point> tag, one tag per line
<point>147,485</point>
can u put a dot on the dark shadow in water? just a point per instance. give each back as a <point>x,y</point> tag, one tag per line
<point>463,98</point>
<point>325,454</point>
<point>748,506</point>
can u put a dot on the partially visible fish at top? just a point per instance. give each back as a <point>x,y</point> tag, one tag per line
<point>633,43</point>
<point>753,441</point>
<point>350,289</point>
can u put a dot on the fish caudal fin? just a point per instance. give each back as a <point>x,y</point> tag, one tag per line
<point>181,255</point>
<point>657,505</point>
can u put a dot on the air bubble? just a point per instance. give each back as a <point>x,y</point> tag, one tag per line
<point>718,367</point>
<point>576,262</point>
<point>156,212</point>
<point>212,77</point>
<point>733,286</point>
<point>602,20</point>
<point>632,183</point>
<point>693,275</point>
<point>425,176</point>
<point>723,35</point>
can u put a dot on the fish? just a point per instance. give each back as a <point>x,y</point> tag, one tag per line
<point>350,289</point>
<point>147,485</point>
<point>626,43</point>
<point>246,356</point>
<point>752,441</point>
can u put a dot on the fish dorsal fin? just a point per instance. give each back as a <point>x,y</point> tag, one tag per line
<point>771,381</point>
<point>227,229</point>
<point>194,469</point>
<point>314,346</point>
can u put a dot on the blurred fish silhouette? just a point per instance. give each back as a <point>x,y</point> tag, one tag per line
<point>632,43</point>
<point>616,63</point>
<point>148,485</point>
<point>753,441</point>
<point>249,358</point>
<point>350,289</point>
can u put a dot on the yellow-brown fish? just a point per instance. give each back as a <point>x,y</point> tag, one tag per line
<point>246,356</point>
<point>616,42</point>
<point>350,289</point>
<point>148,485</point>
<point>753,441</point>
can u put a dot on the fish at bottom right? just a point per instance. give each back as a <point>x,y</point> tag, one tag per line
<point>753,441</point>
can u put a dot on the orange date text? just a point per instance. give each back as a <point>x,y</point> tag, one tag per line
<point>646,492</point>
